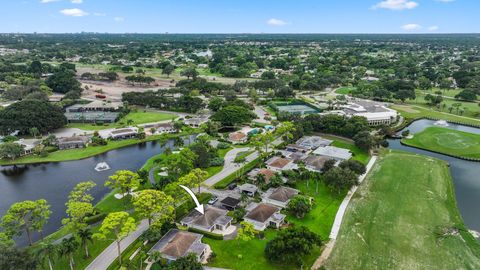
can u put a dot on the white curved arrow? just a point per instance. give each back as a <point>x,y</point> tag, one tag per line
<point>199,207</point>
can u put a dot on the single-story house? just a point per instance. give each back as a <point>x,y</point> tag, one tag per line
<point>176,244</point>
<point>196,121</point>
<point>315,163</point>
<point>123,133</point>
<point>297,148</point>
<point>213,220</point>
<point>248,189</point>
<point>333,152</point>
<point>279,196</point>
<point>313,142</point>
<point>295,156</point>
<point>237,137</point>
<point>280,164</point>
<point>267,174</point>
<point>263,215</point>
<point>161,128</point>
<point>72,142</point>
<point>230,203</point>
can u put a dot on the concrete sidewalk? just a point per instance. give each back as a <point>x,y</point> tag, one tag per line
<point>339,218</point>
<point>110,254</point>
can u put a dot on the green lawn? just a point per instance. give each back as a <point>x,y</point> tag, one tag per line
<point>415,112</point>
<point>320,219</point>
<point>138,118</point>
<point>344,90</point>
<point>249,255</point>
<point>471,109</point>
<point>403,218</point>
<point>447,141</point>
<point>358,154</point>
<point>445,92</point>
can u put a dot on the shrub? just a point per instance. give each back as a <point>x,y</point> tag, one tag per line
<point>223,145</point>
<point>218,161</point>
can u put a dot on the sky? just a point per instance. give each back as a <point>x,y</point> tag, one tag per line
<point>240,16</point>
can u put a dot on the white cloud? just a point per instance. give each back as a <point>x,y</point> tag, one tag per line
<point>74,12</point>
<point>445,1</point>
<point>99,14</point>
<point>48,1</point>
<point>76,1</point>
<point>433,28</point>
<point>276,22</point>
<point>411,27</point>
<point>396,5</point>
<point>119,19</point>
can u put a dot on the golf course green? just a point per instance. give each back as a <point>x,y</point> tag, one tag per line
<point>447,141</point>
<point>405,216</point>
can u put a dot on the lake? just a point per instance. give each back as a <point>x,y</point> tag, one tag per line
<point>54,181</point>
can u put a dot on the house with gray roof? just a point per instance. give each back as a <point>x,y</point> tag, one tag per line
<point>213,220</point>
<point>72,142</point>
<point>332,152</point>
<point>313,142</point>
<point>264,215</point>
<point>176,244</point>
<point>280,196</point>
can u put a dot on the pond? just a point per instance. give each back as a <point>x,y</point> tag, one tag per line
<point>466,174</point>
<point>54,181</point>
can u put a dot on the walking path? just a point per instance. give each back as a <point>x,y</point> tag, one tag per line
<point>230,166</point>
<point>110,254</point>
<point>339,218</point>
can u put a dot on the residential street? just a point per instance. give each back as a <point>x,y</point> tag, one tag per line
<point>230,166</point>
<point>110,253</point>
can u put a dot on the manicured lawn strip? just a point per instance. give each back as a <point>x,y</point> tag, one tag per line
<point>411,112</point>
<point>138,117</point>
<point>447,141</point>
<point>344,90</point>
<point>472,108</point>
<point>326,203</point>
<point>229,179</point>
<point>243,255</point>
<point>76,154</point>
<point>398,217</point>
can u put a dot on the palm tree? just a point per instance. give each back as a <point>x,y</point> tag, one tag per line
<point>85,236</point>
<point>46,253</point>
<point>68,248</point>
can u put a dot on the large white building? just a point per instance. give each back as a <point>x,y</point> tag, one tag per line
<point>376,113</point>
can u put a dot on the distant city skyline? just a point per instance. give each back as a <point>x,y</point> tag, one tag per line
<point>235,16</point>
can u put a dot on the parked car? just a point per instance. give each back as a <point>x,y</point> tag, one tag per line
<point>213,200</point>
<point>232,186</point>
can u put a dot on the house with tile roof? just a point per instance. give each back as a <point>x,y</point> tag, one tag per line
<point>213,220</point>
<point>280,196</point>
<point>264,215</point>
<point>176,244</point>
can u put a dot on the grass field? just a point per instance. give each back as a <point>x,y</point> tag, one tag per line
<point>344,90</point>
<point>136,117</point>
<point>415,112</point>
<point>470,109</point>
<point>404,218</point>
<point>447,141</point>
